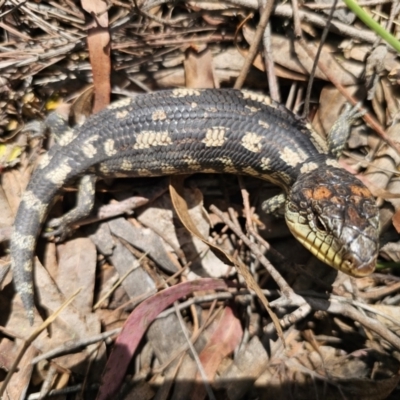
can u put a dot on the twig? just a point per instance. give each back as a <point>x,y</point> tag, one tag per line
<point>350,312</point>
<point>71,347</point>
<point>379,293</point>
<point>195,355</point>
<point>316,59</point>
<point>291,318</point>
<point>278,278</point>
<point>296,19</point>
<point>254,45</point>
<point>269,66</point>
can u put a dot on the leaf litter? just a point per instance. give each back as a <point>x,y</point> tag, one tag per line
<point>143,277</point>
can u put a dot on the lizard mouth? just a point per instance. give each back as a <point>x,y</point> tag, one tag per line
<point>352,265</point>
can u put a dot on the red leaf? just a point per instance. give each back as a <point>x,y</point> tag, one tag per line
<point>137,324</point>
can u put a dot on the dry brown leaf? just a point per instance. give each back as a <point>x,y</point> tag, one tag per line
<point>227,64</point>
<point>331,105</point>
<point>98,10</point>
<point>382,170</point>
<point>392,251</point>
<point>145,240</point>
<point>137,324</point>
<point>199,69</point>
<point>69,325</point>
<point>396,221</point>
<point>159,217</point>
<point>181,208</point>
<point>77,268</point>
<point>222,343</point>
<point>81,108</point>
<point>137,281</point>
<point>99,52</point>
<point>391,102</point>
<point>19,382</point>
<point>8,353</point>
<point>6,216</point>
<point>50,261</point>
<point>211,19</point>
<point>14,183</point>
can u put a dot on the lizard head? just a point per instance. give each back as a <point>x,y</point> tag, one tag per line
<point>334,215</point>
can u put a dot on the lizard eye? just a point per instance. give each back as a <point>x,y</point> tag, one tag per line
<point>320,224</point>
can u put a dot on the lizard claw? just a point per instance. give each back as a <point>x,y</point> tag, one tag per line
<point>58,229</point>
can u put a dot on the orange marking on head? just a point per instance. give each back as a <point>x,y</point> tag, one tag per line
<point>322,193</point>
<point>360,191</point>
<point>307,193</point>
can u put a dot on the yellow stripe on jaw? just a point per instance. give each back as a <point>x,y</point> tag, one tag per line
<point>320,247</point>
